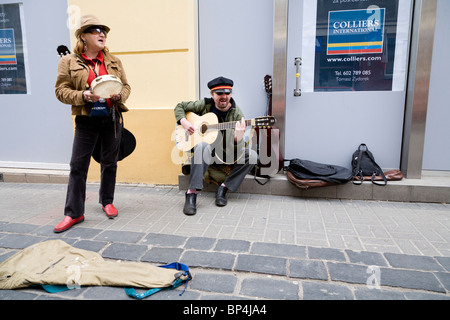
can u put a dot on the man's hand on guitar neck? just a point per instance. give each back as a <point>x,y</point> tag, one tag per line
<point>239,131</point>
<point>189,127</point>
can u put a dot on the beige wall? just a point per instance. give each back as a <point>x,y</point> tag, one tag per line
<point>156,41</point>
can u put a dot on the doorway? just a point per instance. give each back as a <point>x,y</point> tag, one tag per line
<point>352,79</point>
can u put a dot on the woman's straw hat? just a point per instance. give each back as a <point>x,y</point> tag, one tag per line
<point>89,21</point>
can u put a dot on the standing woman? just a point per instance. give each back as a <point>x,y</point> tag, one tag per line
<point>75,74</point>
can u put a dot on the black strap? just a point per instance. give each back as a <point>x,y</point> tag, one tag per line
<point>87,65</point>
<point>259,182</point>
<point>374,174</point>
<point>358,170</point>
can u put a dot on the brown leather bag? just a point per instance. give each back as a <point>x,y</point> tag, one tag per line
<point>307,183</point>
<point>392,175</point>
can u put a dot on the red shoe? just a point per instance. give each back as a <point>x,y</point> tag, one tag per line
<point>67,223</point>
<point>110,210</point>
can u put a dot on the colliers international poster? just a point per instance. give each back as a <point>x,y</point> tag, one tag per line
<point>13,73</point>
<point>355,45</point>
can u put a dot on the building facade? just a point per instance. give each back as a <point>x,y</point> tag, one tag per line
<point>342,73</point>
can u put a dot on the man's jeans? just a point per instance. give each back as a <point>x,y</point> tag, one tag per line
<point>202,159</point>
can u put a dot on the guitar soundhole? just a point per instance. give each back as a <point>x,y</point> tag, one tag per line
<point>203,128</point>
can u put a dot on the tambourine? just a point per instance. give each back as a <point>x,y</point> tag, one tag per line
<point>107,85</point>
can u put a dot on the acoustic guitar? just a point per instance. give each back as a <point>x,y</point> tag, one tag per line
<point>208,127</point>
<point>267,140</point>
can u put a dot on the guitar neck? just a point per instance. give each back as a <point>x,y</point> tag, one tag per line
<point>227,125</point>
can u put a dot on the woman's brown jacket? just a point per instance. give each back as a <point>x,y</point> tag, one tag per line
<point>72,78</point>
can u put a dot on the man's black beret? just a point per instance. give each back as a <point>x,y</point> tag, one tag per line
<point>221,84</point>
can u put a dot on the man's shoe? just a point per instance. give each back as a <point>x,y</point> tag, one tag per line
<point>110,210</point>
<point>221,196</point>
<point>67,223</point>
<point>190,205</point>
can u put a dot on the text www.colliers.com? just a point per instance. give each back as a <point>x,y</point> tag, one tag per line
<point>354,59</point>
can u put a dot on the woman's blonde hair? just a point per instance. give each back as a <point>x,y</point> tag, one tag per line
<point>79,47</point>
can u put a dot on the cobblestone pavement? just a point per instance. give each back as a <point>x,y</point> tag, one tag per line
<point>257,247</point>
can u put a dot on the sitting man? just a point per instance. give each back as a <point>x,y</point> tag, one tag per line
<point>229,142</point>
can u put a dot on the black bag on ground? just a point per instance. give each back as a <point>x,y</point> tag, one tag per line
<point>304,170</point>
<point>364,164</point>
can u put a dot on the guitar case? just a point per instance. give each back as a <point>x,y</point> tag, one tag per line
<point>306,174</point>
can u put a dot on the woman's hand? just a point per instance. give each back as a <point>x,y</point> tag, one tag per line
<point>88,96</point>
<point>116,97</point>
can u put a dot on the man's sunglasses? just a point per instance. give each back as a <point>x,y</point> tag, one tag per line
<point>221,93</point>
<point>95,30</point>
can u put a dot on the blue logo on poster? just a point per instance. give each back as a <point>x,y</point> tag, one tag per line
<point>7,47</point>
<point>356,31</point>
